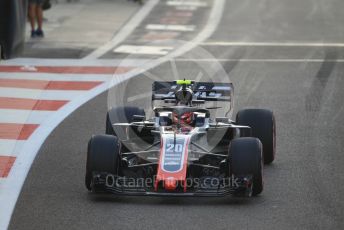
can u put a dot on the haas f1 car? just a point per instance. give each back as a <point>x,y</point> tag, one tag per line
<point>184,149</point>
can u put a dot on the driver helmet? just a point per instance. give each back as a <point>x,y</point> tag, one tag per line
<point>185,119</point>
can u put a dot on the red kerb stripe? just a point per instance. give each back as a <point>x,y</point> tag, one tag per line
<point>16,131</point>
<point>48,85</point>
<point>30,104</point>
<point>67,69</point>
<point>6,163</point>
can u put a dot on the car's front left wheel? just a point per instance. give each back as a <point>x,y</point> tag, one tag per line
<point>245,157</point>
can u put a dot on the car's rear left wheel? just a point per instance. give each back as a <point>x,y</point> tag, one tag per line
<point>262,123</point>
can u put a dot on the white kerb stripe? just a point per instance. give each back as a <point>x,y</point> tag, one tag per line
<point>23,116</point>
<point>11,147</point>
<point>39,94</point>
<point>56,77</point>
<point>70,62</point>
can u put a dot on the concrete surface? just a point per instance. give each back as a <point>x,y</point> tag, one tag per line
<point>74,29</point>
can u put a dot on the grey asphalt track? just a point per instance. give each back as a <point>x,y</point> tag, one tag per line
<point>303,187</point>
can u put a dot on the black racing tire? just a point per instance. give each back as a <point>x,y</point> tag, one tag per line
<point>121,115</point>
<point>108,127</point>
<point>102,156</point>
<point>245,157</point>
<point>2,52</point>
<point>263,125</point>
<point>4,22</point>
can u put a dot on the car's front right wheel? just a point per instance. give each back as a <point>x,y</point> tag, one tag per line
<point>102,156</point>
<point>121,114</point>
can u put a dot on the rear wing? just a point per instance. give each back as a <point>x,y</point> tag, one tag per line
<point>203,91</point>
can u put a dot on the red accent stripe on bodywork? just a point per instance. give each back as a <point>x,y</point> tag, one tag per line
<point>179,176</point>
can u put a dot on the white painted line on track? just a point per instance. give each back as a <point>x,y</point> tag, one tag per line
<point>261,60</point>
<point>125,31</point>
<point>14,182</point>
<point>10,148</point>
<point>23,116</point>
<point>56,77</point>
<point>273,44</point>
<point>185,28</point>
<point>153,50</point>
<point>187,3</point>
<point>186,8</point>
<point>40,94</point>
<point>210,27</point>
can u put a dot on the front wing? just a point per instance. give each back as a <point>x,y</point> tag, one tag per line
<point>242,186</point>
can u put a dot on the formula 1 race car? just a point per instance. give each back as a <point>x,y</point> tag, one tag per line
<point>183,150</point>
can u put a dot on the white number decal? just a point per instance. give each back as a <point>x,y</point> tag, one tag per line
<point>170,147</point>
<point>177,148</point>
